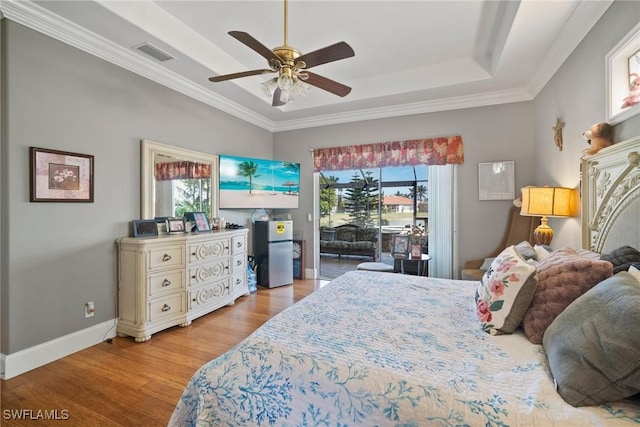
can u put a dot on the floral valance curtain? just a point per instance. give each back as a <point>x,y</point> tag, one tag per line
<point>431,151</point>
<point>182,170</point>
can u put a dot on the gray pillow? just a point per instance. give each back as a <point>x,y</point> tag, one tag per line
<point>593,346</point>
<point>525,250</point>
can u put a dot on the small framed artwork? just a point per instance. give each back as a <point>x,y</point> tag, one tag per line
<point>496,180</point>
<point>145,228</point>
<point>60,176</point>
<point>416,251</point>
<point>400,246</point>
<point>175,225</point>
<point>622,73</point>
<point>199,219</point>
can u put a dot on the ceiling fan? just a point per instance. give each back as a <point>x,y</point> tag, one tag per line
<point>292,67</point>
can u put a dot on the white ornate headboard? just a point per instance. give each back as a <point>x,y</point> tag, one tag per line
<point>611,197</point>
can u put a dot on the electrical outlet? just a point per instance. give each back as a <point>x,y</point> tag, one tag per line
<point>89,309</point>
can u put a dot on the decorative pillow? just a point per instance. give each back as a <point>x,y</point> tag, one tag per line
<point>588,254</point>
<point>525,250</point>
<point>593,346</point>
<point>327,235</point>
<point>633,270</point>
<point>622,258</point>
<point>542,252</point>
<point>562,278</point>
<point>505,292</point>
<point>486,264</point>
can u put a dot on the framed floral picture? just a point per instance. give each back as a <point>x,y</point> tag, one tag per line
<point>60,176</point>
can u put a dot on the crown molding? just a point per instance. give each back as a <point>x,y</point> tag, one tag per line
<point>582,20</point>
<point>445,104</point>
<point>40,19</point>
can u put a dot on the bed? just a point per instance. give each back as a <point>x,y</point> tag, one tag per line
<point>383,349</point>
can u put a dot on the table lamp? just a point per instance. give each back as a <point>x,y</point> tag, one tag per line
<point>545,202</point>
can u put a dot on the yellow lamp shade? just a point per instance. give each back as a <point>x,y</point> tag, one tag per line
<point>544,202</point>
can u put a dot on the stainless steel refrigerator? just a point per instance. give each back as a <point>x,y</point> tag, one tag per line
<point>273,252</point>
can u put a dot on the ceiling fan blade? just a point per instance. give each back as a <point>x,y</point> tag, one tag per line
<point>277,102</point>
<point>238,75</point>
<point>254,44</point>
<point>327,84</point>
<point>340,50</point>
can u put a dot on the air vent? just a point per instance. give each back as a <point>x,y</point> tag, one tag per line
<point>154,52</point>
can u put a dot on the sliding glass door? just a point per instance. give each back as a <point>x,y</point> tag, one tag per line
<point>361,211</point>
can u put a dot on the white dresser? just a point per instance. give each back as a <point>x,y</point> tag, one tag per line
<point>170,280</point>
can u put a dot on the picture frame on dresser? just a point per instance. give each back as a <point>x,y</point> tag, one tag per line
<point>199,220</point>
<point>144,227</point>
<point>175,225</point>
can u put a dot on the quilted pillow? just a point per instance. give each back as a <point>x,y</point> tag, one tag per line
<point>593,346</point>
<point>622,258</point>
<point>504,293</point>
<point>562,277</point>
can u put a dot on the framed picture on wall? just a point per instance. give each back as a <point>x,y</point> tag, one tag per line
<point>622,73</point>
<point>496,180</point>
<point>60,176</point>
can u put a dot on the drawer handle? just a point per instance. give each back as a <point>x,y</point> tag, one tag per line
<point>239,244</point>
<point>238,281</point>
<point>226,248</point>
<point>226,267</point>
<point>193,277</point>
<point>166,283</point>
<point>166,257</point>
<point>166,308</point>
<point>193,254</point>
<point>239,262</point>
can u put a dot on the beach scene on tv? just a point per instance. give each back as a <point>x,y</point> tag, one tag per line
<point>258,183</point>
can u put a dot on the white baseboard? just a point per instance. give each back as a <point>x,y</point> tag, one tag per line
<point>310,273</point>
<point>14,364</point>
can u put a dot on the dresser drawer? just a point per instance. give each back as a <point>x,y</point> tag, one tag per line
<point>209,295</point>
<point>239,263</point>
<point>209,249</point>
<point>165,282</point>
<point>165,257</point>
<point>200,274</point>
<point>169,306</point>
<point>238,244</point>
<point>239,283</point>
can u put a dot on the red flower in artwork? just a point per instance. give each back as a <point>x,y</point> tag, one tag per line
<point>484,314</point>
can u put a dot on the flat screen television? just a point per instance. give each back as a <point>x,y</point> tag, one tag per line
<point>258,183</point>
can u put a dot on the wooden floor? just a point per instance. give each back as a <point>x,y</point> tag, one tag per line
<point>123,383</point>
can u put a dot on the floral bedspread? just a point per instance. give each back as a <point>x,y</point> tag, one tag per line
<point>381,349</point>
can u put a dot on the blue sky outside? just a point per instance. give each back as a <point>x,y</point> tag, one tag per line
<point>400,173</point>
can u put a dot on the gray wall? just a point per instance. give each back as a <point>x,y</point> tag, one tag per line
<point>57,256</point>
<point>520,132</point>
<point>502,132</point>
<point>576,93</point>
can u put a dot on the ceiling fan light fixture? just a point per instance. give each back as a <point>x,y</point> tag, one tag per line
<point>269,87</point>
<point>285,81</point>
